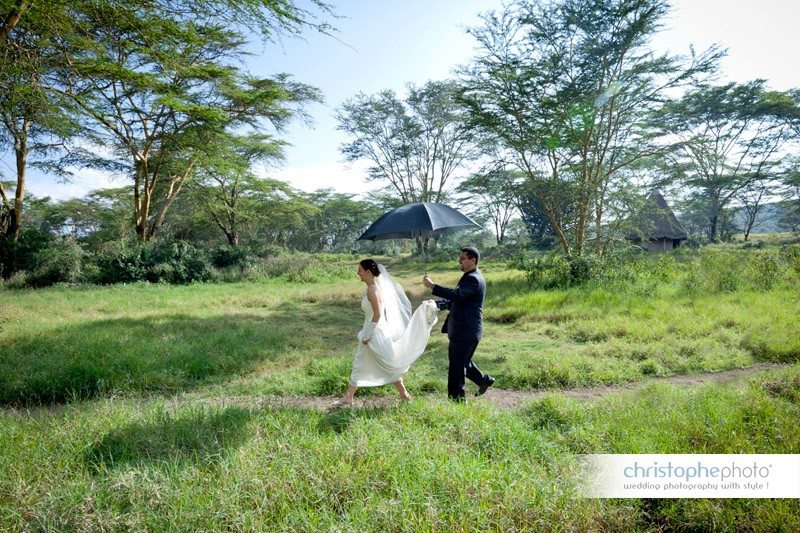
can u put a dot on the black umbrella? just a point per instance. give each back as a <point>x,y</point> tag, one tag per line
<point>420,219</point>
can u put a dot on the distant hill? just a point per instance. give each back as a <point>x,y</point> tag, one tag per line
<point>766,221</point>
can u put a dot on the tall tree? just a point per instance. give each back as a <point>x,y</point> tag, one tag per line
<point>494,195</point>
<point>161,96</point>
<point>10,14</point>
<point>416,146</point>
<point>33,123</point>
<point>790,194</point>
<point>790,178</point>
<point>338,221</point>
<point>730,138</point>
<point>233,196</point>
<point>752,200</point>
<point>566,87</point>
<point>76,36</point>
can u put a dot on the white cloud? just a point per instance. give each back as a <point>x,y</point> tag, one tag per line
<point>84,181</point>
<point>342,177</point>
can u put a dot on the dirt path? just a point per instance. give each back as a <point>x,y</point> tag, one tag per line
<point>505,398</point>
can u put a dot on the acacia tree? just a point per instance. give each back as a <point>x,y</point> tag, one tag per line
<point>231,194</point>
<point>265,17</point>
<point>160,96</point>
<point>104,44</point>
<point>494,195</point>
<point>336,223</point>
<point>34,125</point>
<point>10,14</point>
<point>730,139</point>
<point>790,194</point>
<point>790,178</point>
<point>752,200</point>
<point>566,88</point>
<point>416,146</point>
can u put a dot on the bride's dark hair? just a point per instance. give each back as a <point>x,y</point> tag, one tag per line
<point>371,265</point>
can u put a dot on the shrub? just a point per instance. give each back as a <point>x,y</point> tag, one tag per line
<point>178,262</point>
<point>173,262</point>
<point>763,270</point>
<point>547,272</point>
<point>666,268</point>
<point>231,256</point>
<point>22,254</point>
<point>791,256</point>
<point>61,262</point>
<point>122,262</point>
<point>554,271</point>
<point>301,267</point>
<point>18,280</point>
<point>714,272</point>
<point>264,250</point>
<point>582,269</point>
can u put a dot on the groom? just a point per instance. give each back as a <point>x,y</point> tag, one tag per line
<point>464,325</point>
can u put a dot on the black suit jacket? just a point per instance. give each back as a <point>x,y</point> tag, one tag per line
<point>465,322</point>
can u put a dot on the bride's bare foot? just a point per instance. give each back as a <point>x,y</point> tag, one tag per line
<point>347,399</point>
<point>402,391</point>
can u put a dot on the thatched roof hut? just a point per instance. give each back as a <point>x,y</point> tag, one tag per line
<point>656,228</point>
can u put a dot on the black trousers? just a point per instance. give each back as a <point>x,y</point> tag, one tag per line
<point>461,366</point>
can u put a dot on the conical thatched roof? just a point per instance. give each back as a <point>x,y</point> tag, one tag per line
<point>657,221</point>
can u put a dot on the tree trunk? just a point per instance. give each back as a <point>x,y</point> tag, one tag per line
<point>175,185</point>
<point>751,221</point>
<point>715,210</point>
<point>21,155</point>
<point>11,19</point>
<point>140,204</point>
<point>712,230</point>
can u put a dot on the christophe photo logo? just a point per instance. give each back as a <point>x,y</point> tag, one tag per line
<point>691,476</point>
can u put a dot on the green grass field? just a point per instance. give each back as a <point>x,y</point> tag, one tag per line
<point>141,407</point>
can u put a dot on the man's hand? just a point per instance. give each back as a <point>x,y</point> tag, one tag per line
<point>427,282</point>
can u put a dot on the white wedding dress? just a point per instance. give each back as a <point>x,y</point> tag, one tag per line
<point>395,343</point>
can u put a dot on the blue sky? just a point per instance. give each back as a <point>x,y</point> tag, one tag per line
<point>384,44</point>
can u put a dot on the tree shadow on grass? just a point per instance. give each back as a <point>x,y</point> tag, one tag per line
<point>328,324</point>
<point>163,353</point>
<point>200,438</point>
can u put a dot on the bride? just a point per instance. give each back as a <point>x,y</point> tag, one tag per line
<point>391,338</point>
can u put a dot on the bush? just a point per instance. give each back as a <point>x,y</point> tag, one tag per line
<point>547,272</point>
<point>763,270</point>
<point>264,250</point>
<point>61,262</point>
<point>231,256</point>
<point>554,271</point>
<point>18,280</point>
<point>582,269</point>
<point>712,273</point>
<point>728,271</point>
<point>122,262</point>
<point>178,262</point>
<point>301,267</point>
<point>23,253</point>
<point>791,256</point>
<point>172,262</point>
